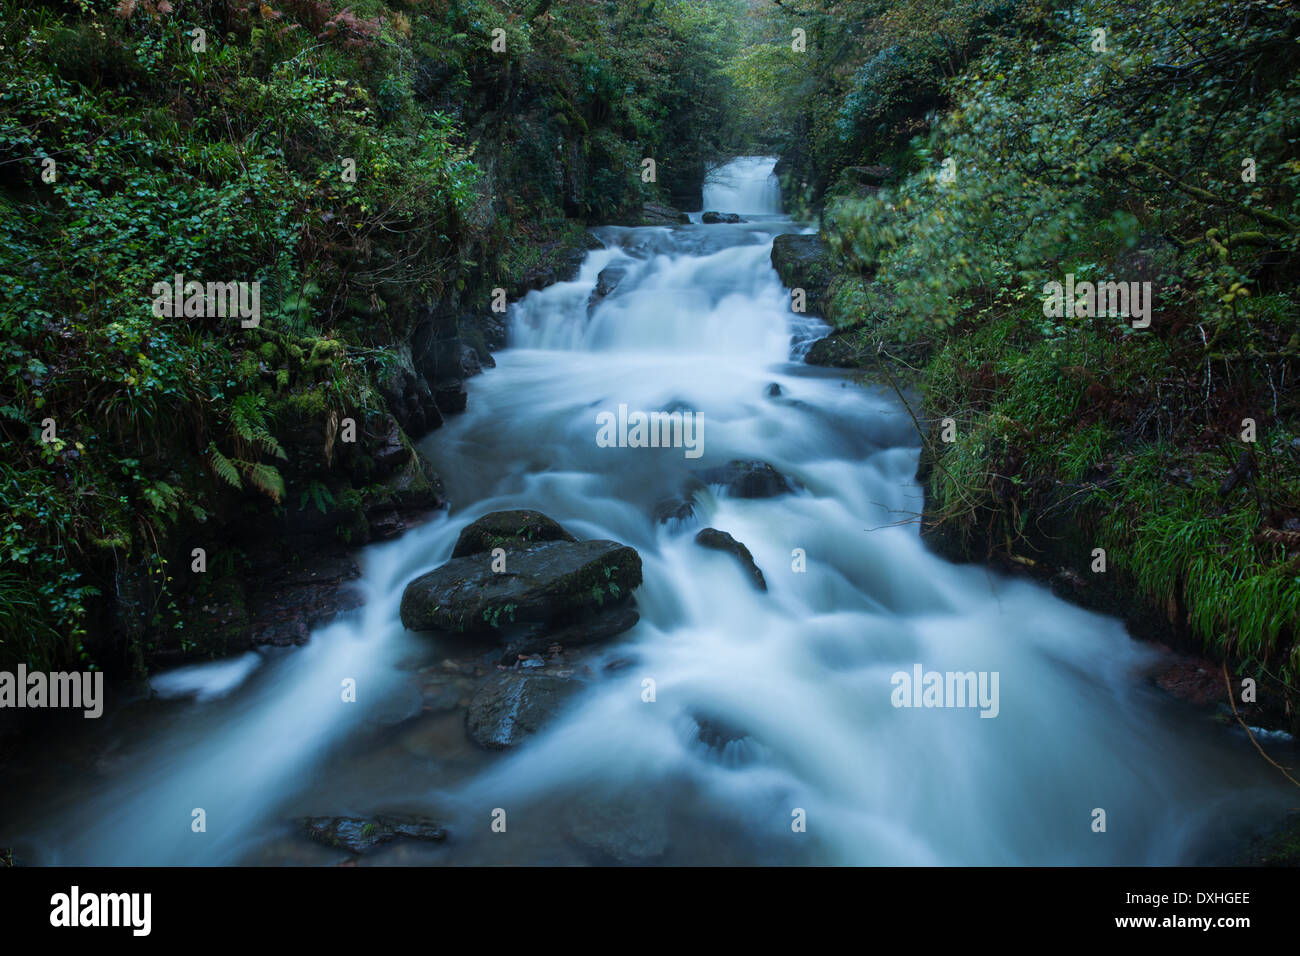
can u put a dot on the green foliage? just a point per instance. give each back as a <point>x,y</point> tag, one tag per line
<point>224,467</point>
<point>1061,148</point>
<point>248,420</point>
<point>1124,164</point>
<point>235,165</point>
<point>319,494</point>
<point>493,615</point>
<point>912,48</point>
<point>870,74</point>
<point>221,167</point>
<point>1240,592</point>
<point>1080,423</point>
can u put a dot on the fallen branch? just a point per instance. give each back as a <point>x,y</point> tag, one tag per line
<point>1232,700</point>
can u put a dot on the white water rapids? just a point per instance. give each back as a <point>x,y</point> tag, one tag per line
<point>801,673</point>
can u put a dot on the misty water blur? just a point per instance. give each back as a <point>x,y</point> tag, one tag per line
<point>798,677</point>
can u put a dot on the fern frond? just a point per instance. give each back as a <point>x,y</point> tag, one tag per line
<point>224,467</point>
<point>271,446</point>
<point>248,418</point>
<point>267,480</point>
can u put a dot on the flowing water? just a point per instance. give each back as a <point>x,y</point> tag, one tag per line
<point>768,708</point>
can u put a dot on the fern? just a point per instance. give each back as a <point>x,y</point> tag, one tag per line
<point>224,467</point>
<point>248,418</point>
<point>319,494</point>
<point>267,480</point>
<point>163,498</point>
<point>295,310</point>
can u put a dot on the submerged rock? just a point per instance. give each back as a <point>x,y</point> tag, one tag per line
<point>606,283</point>
<point>715,733</point>
<point>675,508</point>
<point>549,583</point>
<point>628,829</point>
<point>721,541</point>
<point>749,479</point>
<point>711,218</point>
<point>359,834</point>
<point>509,707</point>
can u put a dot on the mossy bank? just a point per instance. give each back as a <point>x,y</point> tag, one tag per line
<point>387,176</point>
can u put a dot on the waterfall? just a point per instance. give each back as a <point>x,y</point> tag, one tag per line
<point>746,186</point>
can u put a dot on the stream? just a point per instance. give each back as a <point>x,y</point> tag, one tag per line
<point>773,735</point>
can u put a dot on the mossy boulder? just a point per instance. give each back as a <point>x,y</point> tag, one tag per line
<point>414,487</point>
<point>549,582</point>
<point>803,262</point>
<point>511,530</point>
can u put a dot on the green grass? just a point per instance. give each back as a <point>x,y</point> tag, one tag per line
<point>1195,554</point>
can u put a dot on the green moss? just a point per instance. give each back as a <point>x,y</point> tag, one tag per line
<point>324,352</point>
<point>309,403</point>
<point>248,367</point>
